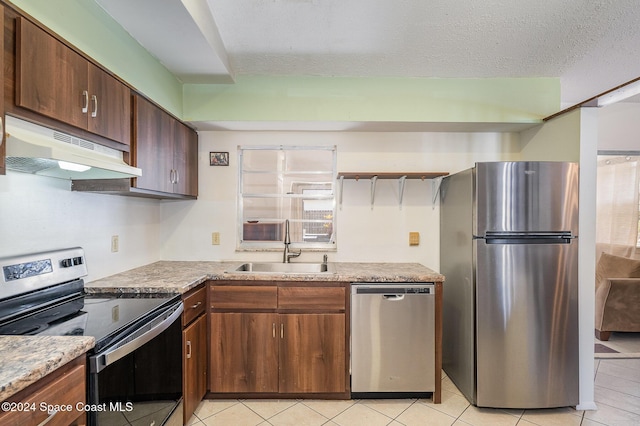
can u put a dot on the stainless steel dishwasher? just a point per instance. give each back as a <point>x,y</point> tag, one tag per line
<point>392,339</point>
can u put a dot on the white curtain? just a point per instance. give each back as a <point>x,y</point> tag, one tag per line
<point>617,205</point>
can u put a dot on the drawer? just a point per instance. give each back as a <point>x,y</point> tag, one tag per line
<point>195,303</point>
<point>312,298</point>
<point>68,391</point>
<point>244,297</point>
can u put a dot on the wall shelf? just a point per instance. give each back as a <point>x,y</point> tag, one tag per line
<point>435,177</point>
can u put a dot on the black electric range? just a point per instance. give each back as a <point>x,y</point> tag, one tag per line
<point>137,360</point>
<point>63,308</point>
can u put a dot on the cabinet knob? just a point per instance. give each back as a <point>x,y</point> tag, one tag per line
<point>188,349</point>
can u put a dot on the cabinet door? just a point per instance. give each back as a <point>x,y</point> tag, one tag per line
<point>185,160</point>
<point>312,353</point>
<point>244,352</point>
<point>51,78</point>
<point>153,150</point>
<point>62,388</point>
<point>194,377</point>
<point>109,112</point>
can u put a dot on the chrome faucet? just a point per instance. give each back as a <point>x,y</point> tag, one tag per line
<point>286,256</point>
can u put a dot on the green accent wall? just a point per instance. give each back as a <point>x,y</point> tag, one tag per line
<point>89,28</point>
<point>497,100</point>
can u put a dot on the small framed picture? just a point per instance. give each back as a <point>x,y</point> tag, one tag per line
<point>218,158</point>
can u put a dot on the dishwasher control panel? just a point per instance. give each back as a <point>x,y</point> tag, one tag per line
<point>386,288</point>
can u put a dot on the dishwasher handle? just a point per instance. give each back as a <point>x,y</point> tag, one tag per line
<point>393,297</point>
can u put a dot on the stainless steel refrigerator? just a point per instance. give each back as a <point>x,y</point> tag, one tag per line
<point>509,253</point>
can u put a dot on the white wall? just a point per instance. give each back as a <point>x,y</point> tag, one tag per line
<point>40,213</point>
<point>619,127</point>
<point>363,234</point>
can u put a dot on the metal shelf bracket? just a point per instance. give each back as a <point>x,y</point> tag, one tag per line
<point>401,182</point>
<point>340,193</point>
<point>374,179</point>
<point>435,191</point>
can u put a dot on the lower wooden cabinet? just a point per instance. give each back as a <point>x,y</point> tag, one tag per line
<point>64,388</point>
<point>261,343</point>
<point>244,352</point>
<point>194,358</point>
<point>312,353</point>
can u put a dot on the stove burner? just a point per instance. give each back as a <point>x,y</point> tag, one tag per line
<point>40,321</point>
<point>23,329</point>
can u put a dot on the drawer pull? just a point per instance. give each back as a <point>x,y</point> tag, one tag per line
<point>48,419</point>
<point>196,305</point>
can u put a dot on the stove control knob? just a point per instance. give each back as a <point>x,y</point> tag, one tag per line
<point>78,260</point>
<point>66,263</point>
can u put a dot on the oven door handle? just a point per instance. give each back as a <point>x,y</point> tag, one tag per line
<point>100,361</point>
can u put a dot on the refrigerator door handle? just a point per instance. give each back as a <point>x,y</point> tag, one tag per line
<point>529,237</point>
<point>530,240</point>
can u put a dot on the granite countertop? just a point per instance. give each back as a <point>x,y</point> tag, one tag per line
<point>181,276</point>
<point>27,359</point>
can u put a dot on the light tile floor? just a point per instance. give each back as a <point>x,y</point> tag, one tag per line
<point>617,394</point>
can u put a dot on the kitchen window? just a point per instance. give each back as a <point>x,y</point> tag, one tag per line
<point>279,183</point>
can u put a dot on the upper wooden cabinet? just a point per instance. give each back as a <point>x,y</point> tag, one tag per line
<point>54,80</point>
<point>165,149</point>
<point>185,160</point>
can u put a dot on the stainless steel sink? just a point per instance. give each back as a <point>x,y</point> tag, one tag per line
<point>286,268</point>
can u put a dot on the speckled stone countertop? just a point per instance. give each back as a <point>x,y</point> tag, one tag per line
<point>27,359</point>
<point>181,276</point>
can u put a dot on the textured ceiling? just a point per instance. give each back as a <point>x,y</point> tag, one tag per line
<point>591,45</point>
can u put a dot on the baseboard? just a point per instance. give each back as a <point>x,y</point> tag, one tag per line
<point>587,406</point>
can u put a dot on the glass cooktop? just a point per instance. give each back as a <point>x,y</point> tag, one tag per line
<point>102,316</point>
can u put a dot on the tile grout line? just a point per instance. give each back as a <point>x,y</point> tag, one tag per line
<point>266,419</point>
<point>329,419</point>
<point>237,401</point>
<point>396,417</point>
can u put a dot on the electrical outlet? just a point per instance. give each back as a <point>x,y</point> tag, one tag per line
<point>414,238</point>
<point>115,244</point>
<point>215,238</point>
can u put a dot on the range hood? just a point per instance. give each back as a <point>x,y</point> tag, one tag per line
<point>39,150</point>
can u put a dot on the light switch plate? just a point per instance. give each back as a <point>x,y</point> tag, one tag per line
<point>215,238</point>
<point>414,238</point>
<point>115,244</point>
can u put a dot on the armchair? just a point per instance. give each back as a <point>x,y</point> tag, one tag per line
<point>617,304</point>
